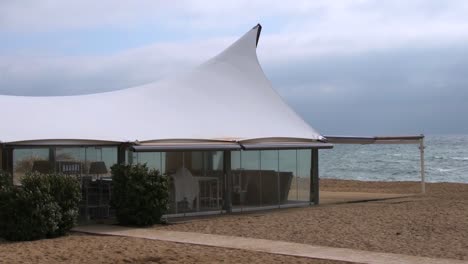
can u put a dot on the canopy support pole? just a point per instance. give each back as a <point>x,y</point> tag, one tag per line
<point>227,206</point>
<point>7,159</point>
<point>314,178</point>
<point>423,172</point>
<point>121,151</point>
<point>2,160</point>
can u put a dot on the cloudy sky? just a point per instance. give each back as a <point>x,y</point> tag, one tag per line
<point>348,67</point>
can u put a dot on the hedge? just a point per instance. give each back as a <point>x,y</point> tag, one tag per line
<point>6,181</point>
<point>44,206</point>
<point>140,196</point>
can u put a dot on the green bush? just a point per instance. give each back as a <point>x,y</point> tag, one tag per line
<point>44,206</point>
<point>65,191</point>
<point>6,181</point>
<point>139,195</point>
<point>28,215</point>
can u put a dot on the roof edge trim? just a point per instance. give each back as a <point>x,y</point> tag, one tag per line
<point>182,140</point>
<point>62,142</point>
<point>276,139</point>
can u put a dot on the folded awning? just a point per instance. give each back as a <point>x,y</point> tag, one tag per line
<point>375,140</point>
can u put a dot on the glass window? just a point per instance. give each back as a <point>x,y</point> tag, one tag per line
<point>303,174</point>
<point>250,194</point>
<point>196,180</point>
<point>211,183</point>
<point>70,160</point>
<point>153,160</point>
<point>30,159</point>
<point>269,187</point>
<point>288,176</point>
<point>99,160</point>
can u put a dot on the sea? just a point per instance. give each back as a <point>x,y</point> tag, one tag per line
<point>446,160</point>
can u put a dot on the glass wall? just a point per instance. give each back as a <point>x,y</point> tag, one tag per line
<point>270,178</point>
<point>288,176</point>
<point>90,164</point>
<point>30,159</point>
<point>196,178</point>
<point>82,161</point>
<point>303,174</point>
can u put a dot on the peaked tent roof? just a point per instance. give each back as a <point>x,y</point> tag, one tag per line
<point>226,98</point>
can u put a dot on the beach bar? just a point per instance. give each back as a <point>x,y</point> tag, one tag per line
<point>222,134</point>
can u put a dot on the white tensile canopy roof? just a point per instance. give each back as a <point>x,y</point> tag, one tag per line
<point>227,98</point>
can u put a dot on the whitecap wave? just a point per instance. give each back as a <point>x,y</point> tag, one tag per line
<point>459,158</point>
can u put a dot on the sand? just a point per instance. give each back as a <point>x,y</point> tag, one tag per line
<point>104,249</point>
<point>433,225</point>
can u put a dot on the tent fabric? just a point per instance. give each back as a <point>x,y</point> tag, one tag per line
<point>226,98</point>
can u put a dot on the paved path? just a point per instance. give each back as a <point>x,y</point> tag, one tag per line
<point>350,197</point>
<point>262,245</point>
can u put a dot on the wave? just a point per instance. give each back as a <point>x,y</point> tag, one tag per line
<point>459,158</point>
<point>443,170</point>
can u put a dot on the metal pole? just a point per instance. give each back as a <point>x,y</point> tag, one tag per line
<point>423,173</point>
<point>314,178</point>
<point>227,181</point>
<point>278,180</point>
<point>2,157</point>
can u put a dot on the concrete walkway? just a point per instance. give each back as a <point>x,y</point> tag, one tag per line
<point>351,197</point>
<point>262,245</point>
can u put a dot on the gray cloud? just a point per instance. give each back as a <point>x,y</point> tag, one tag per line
<point>71,75</point>
<point>400,91</point>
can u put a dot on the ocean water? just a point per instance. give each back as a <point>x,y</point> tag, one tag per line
<point>446,160</point>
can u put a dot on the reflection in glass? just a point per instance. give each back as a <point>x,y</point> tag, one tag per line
<point>196,180</point>
<point>269,187</point>
<point>303,174</point>
<point>31,159</point>
<point>288,176</point>
<point>70,160</point>
<point>250,193</point>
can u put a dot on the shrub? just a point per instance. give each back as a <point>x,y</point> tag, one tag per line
<point>139,195</point>
<point>28,215</point>
<point>65,191</point>
<point>6,181</point>
<point>44,206</point>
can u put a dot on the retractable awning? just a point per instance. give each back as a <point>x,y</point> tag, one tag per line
<point>374,140</point>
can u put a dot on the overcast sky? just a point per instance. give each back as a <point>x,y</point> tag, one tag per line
<point>348,67</point>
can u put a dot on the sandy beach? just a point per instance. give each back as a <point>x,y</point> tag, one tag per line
<point>78,248</point>
<point>433,225</point>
